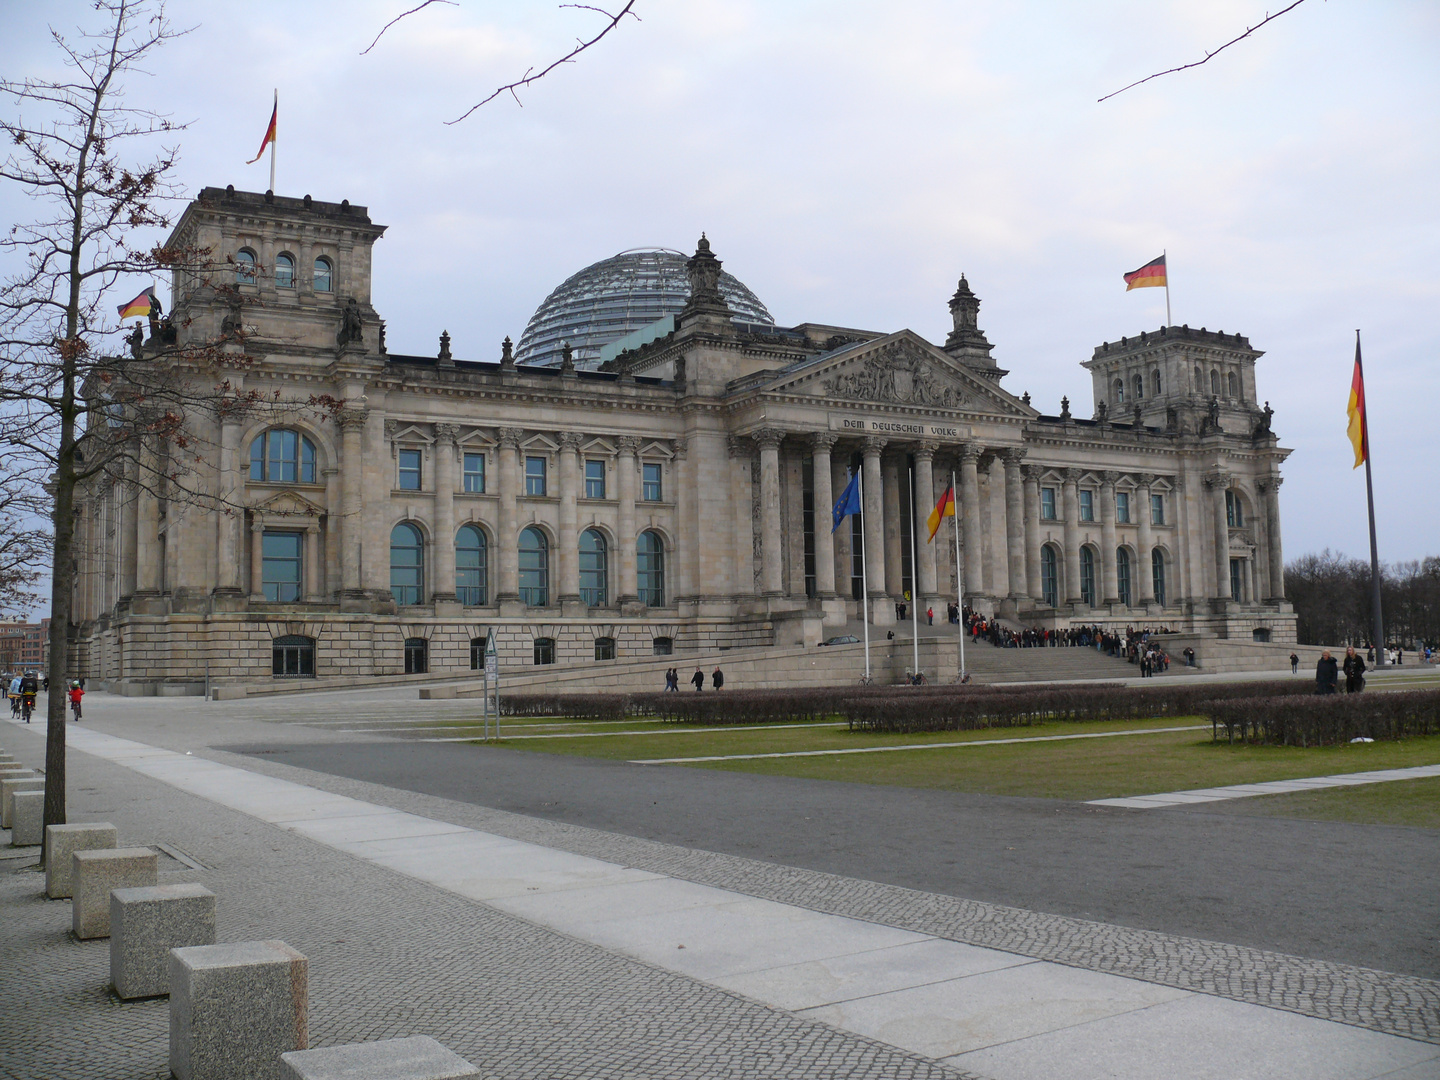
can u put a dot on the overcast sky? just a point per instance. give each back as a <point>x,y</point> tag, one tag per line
<point>849,160</point>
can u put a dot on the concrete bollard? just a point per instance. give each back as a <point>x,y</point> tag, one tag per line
<point>145,924</point>
<point>416,1058</point>
<point>62,841</point>
<point>27,828</point>
<point>94,874</point>
<point>234,1009</point>
<point>8,788</point>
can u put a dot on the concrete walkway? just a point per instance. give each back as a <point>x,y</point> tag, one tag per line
<point>976,1011</point>
<point>1271,787</point>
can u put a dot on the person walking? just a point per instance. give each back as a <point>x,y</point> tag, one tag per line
<point>1354,668</point>
<point>717,678</point>
<point>930,615</point>
<point>698,679</point>
<point>1327,674</point>
<point>76,693</point>
<point>1295,663</point>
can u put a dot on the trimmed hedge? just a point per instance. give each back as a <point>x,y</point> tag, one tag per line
<point>1329,720</point>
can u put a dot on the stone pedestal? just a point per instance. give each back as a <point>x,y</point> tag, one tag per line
<point>235,1009</point>
<point>94,874</point>
<point>417,1058</point>
<point>62,841</point>
<point>27,827</point>
<point>9,787</point>
<point>145,924</point>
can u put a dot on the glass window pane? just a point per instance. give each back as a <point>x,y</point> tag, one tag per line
<point>470,566</point>
<point>307,461</point>
<point>534,476</point>
<point>534,568</point>
<point>284,272</point>
<point>1087,506</point>
<point>1122,507</point>
<point>1047,503</point>
<point>1157,509</point>
<point>1122,575</point>
<point>244,268</point>
<point>280,564</point>
<point>593,575</point>
<point>650,485</point>
<point>322,274</point>
<point>1157,568</point>
<point>1087,576</point>
<point>650,569</point>
<point>257,458</point>
<point>475,473</point>
<point>595,479</point>
<point>409,470</point>
<point>407,564</point>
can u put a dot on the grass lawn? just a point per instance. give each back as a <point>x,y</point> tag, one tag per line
<point>1398,802</point>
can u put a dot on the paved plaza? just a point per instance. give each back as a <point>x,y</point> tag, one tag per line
<point>583,940</point>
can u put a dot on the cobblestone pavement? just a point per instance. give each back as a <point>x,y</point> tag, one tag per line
<point>388,956</point>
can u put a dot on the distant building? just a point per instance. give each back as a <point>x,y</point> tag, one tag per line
<point>23,645</point>
<point>678,498</point>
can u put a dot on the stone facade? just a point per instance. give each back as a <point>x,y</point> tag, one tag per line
<point>387,512</point>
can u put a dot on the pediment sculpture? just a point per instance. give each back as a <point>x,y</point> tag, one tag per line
<point>900,377</point>
<point>290,504</point>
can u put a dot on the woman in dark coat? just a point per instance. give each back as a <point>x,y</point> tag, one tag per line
<point>1327,673</point>
<point>1354,667</point>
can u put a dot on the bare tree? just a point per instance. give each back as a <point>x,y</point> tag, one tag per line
<point>24,543</point>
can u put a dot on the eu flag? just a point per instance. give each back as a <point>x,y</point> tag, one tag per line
<point>849,502</point>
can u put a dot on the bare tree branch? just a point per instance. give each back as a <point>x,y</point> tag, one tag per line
<point>528,78</point>
<point>1184,67</point>
<point>420,7</point>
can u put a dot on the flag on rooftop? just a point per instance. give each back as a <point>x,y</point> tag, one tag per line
<point>144,304</point>
<point>1149,276</point>
<point>269,131</point>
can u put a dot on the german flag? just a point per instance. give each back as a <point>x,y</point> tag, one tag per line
<point>943,509</point>
<point>1358,429</point>
<point>1149,276</point>
<point>269,131</point>
<point>143,304</point>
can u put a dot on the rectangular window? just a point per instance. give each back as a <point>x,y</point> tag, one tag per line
<point>1122,507</point>
<point>409,470</point>
<point>475,473</point>
<point>1157,509</point>
<point>1237,579</point>
<point>534,476</point>
<point>1047,504</point>
<point>1087,506</point>
<point>594,479</point>
<point>650,482</point>
<point>281,555</point>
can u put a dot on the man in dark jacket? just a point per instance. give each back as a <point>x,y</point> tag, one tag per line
<point>718,678</point>
<point>1354,667</point>
<point>698,679</point>
<point>1327,673</point>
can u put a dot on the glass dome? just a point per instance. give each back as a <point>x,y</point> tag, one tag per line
<point>615,296</point>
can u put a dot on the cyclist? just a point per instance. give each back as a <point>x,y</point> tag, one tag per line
<point>29,687</point>
<point>76,693</point>
<point>14,693</point>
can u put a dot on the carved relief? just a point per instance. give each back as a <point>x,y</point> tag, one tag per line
<point>897,376</point>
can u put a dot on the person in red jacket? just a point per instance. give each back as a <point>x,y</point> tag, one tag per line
<point>76,693</point>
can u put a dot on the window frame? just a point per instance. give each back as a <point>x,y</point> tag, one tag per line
<point>1047,504</point>
<point>1087,575</point>
<point>305,461</point>
<point>594,568</point>
<point>1234,512</point>
<point>1157,575</point>
<point>1122,576</point>
<point>477,654</point>
<point>328,276</point>
<point>245,267</point>
<point>292,647</point>
<point>267,561</point>
<point>538,593</point>
<point>544,651</point>
<point>1137,385</point>
<point>1157,508</point>
<point>1049,576</point>
<point>473,595</point>
<point>1086,499</point>
<point>285,259</point>
<point>404,455</point>
<point>650,580</point>
<point>402,593</point>
<point>604,648</point>
<point>417,656</point>
<point>541,474</point>
<point>472,481</point>
<point>651,490</point>
<point>1122,508</point>
<point>594,485</point>
<point>662,646</point>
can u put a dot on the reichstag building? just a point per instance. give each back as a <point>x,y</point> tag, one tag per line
<point>649,471</point>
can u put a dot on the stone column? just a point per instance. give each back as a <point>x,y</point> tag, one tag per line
<point>257,559</point>
<point>507,552</point>
<point>1218,483</point>
<point>970,518</point>
<point>1070,496</point>
<point>231,521</point>
<point>442,581</point>
<point>629,586</point>
<point>1032,530</point>
<point>1270,488</point>
<point>926,589</point>
<point>129,495</point>
<point>1146,569</point>
<point>352,420</point>
<point>873,520</point>
<point>147,521</point>
<point>569,542</point>
<point>1111,588</point>
<point>767,440</point>
<point>1015,525</point>
<point>312,591</point>
<point>684,578</point>
<point>840,538</point>
<point>890,473</point>
<point>824,501</point>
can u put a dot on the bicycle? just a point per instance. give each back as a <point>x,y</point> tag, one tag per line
<point>75,708</point>
<point>27,706</point>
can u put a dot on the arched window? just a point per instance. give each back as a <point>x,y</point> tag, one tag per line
<point>1122,575</point>
<point>407,564</point>
<point>1215,383</point>
<point>1049,577</point>
<point>1157,569</point>
<point>593,569</point>
<point>417,656</point>
<point>1139,384</point>
<point>650,569</point>
<point>544,650</point>
<point>604,648</point>
<point>535,571</point>
<point>1234,512</point>
<point>1199,380</point>
<point>324,274</point>
<point>1155,382</point>
<point>244,267</point>
<point>282,456</point>
<point>471,568</point>
<point>284,272</point>
<point>1234,381</point>
<point>1087,575</point>
<point>1119,391</point>
<point>293,656</point>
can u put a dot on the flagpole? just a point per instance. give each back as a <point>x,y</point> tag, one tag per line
<point>276,113</point>
<point>864,577</point>
<point>914,579</point>
<point>1166,256</point>
<point>959,577</point>
<point>1377,621</point>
